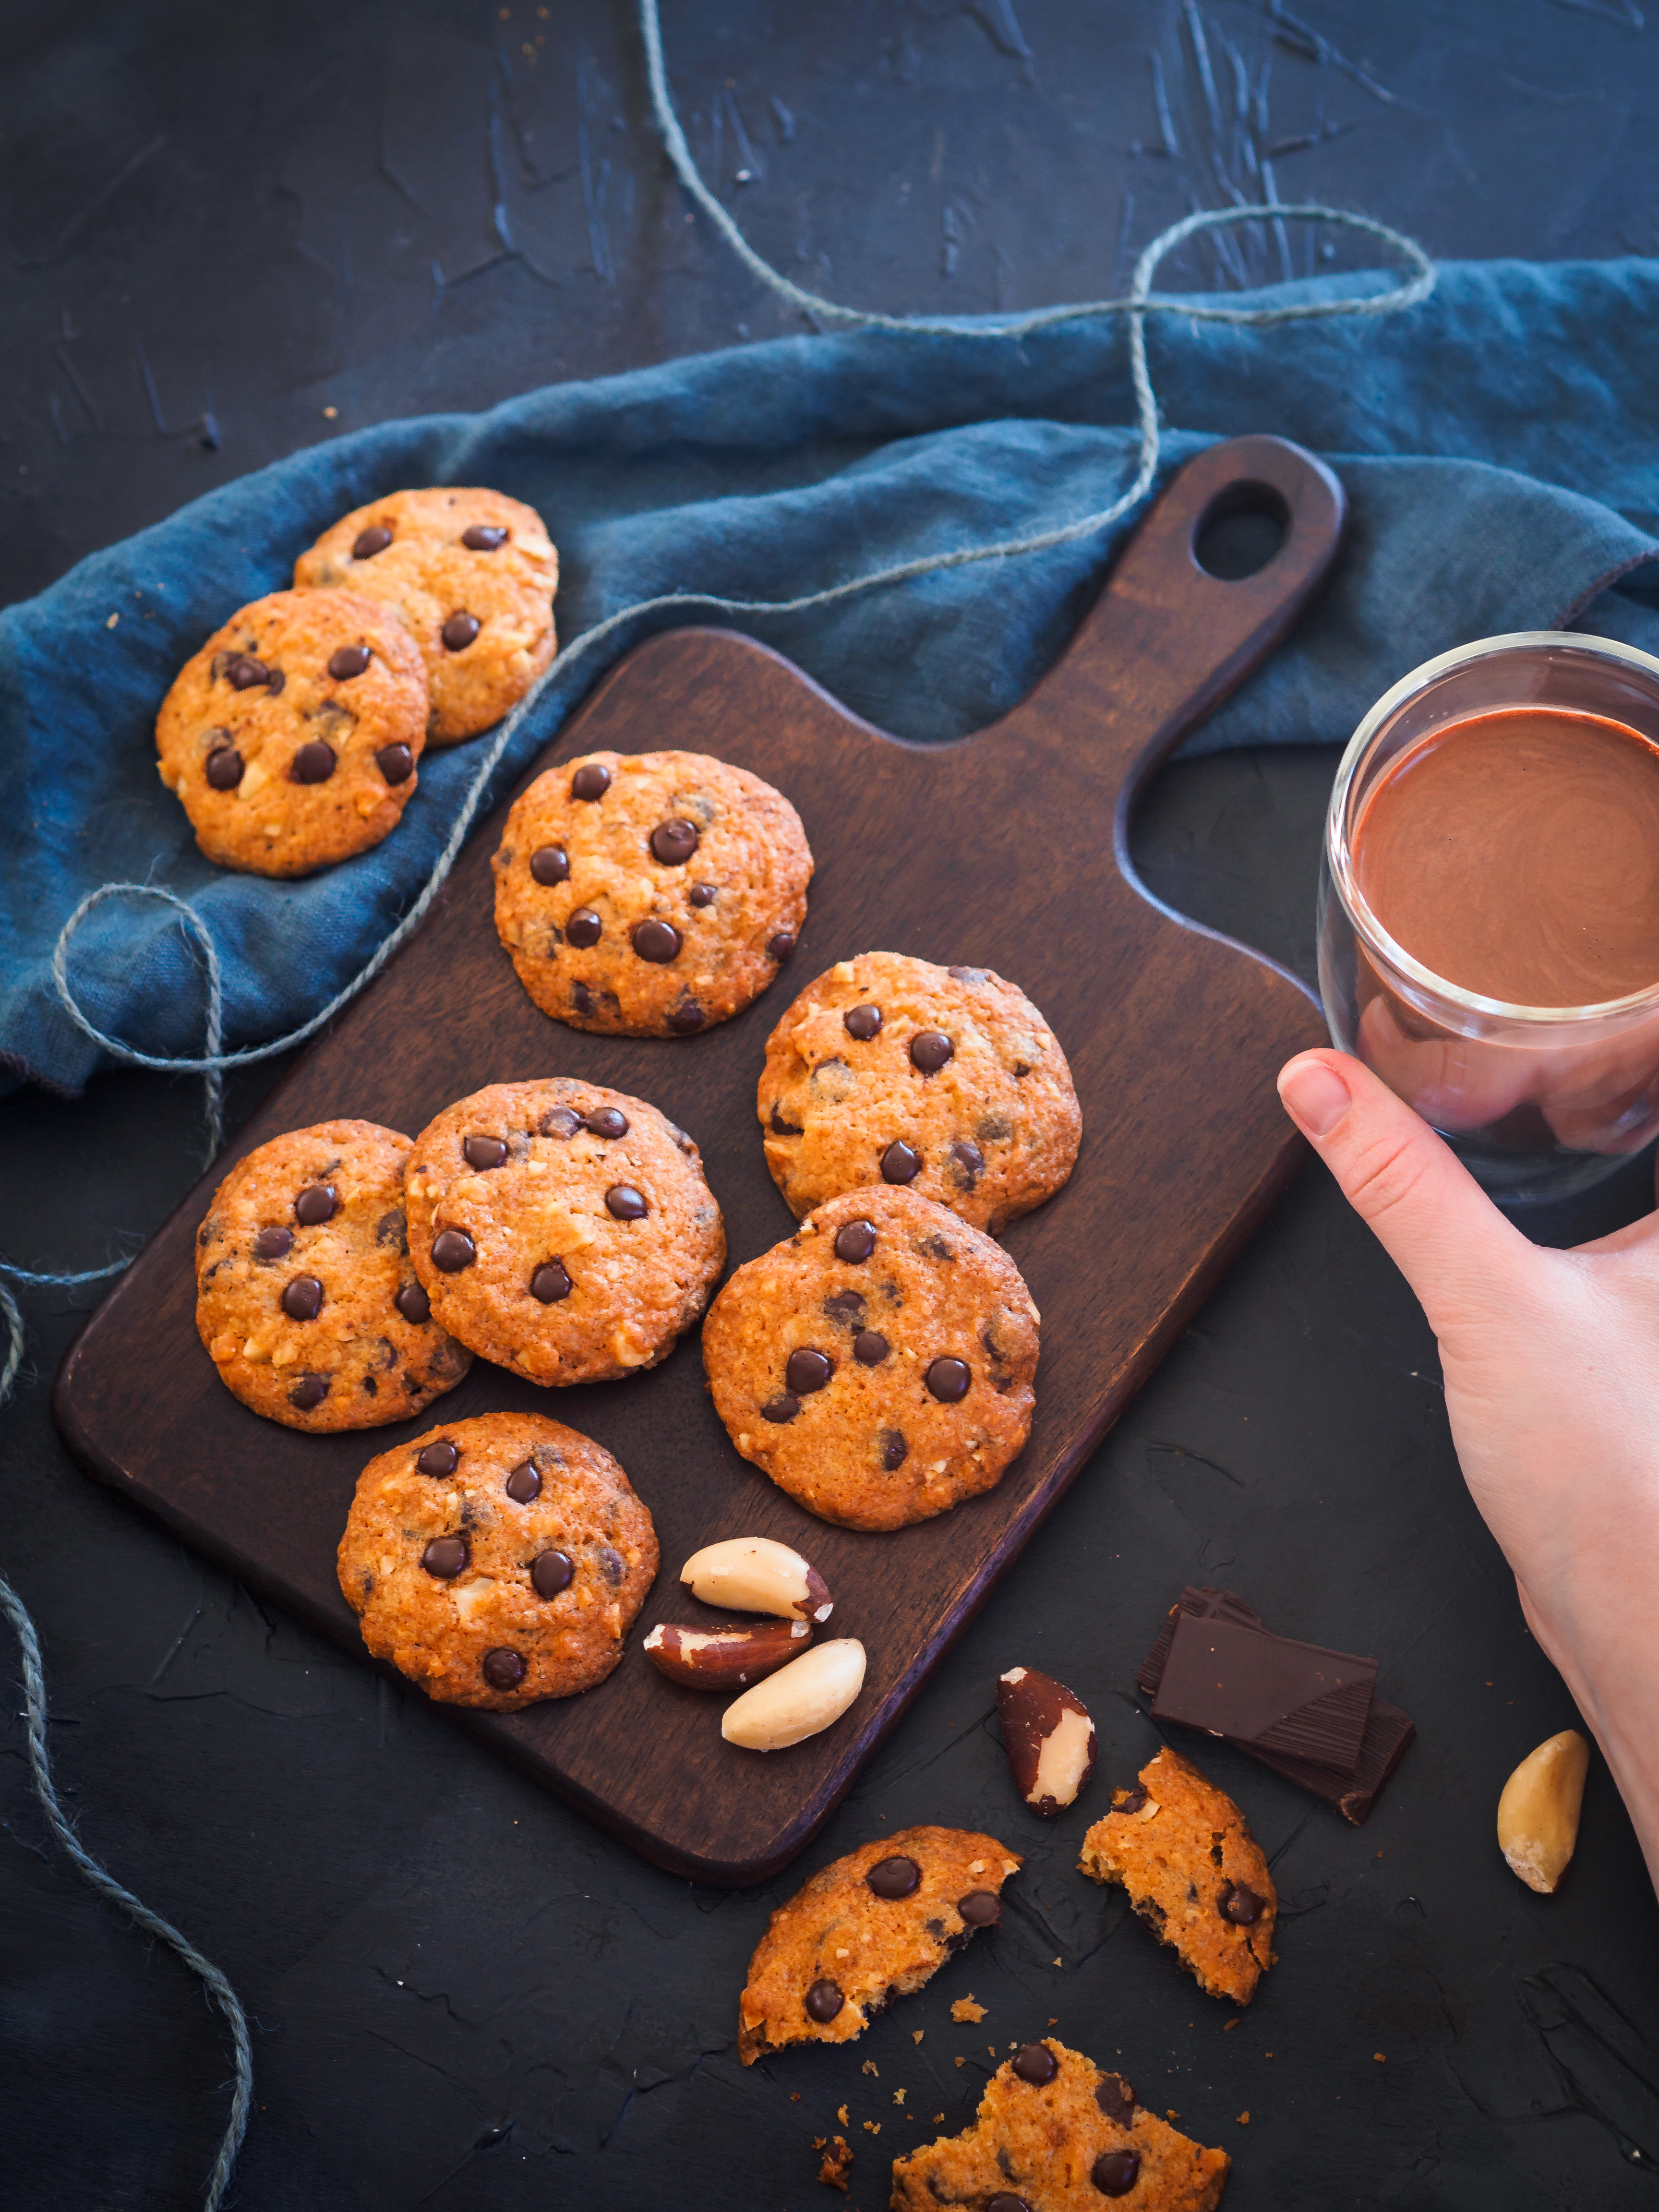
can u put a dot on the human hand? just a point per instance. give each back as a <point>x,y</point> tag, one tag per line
<point>1550,1362</point>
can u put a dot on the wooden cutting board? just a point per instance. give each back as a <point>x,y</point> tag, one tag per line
<point>1007,850</point>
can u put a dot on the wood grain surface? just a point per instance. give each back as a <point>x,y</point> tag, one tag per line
<point>1007,850</point>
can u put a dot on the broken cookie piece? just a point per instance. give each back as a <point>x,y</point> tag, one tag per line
<point>1054,2131</point>
<point>867,1927</point>
<point>1194,1872</point>
<point>1048,1737</point>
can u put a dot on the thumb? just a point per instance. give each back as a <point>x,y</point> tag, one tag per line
<point>1433,1219</point>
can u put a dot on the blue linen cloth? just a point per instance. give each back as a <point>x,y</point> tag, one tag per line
<point>1500,446</point>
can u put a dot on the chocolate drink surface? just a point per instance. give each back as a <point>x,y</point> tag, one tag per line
<point>1516,854</point>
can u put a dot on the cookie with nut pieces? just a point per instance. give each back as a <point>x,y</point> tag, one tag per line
<point>291,738</point>
<point>1056,2133</point>
<point>306,1298</point>
<point>1195,1874</point>
<point>878,1364</point>
<point>563,1230</point>
<point>470,575</point>
<point>497,1560</point>
<point>649,894</point>
<point>947,1081</point>
<point>868,1928</point>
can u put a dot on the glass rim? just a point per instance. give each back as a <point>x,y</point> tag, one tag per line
<point>1366,925</point>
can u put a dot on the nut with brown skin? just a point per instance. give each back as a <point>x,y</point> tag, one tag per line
<point>728,1657</point>
<point>757,1574</point>
<point>1538,1811</point>
<point>1048,1737</point>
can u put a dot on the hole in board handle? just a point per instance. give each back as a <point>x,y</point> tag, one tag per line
<point>1241,530</point>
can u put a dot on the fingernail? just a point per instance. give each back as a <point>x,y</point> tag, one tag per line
<point>1316,1096</point>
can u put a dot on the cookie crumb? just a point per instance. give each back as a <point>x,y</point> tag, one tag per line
<point>871,2066</point>
<point>918,2034</point>
<point>841,2114</point>
<point>1381,2057</point>
<point>898,2096</point>
<point>873,2127</point>
<point>1244,2120</point>
<point>965,2008</point>
<point>1232,2023</point>
<point>111,623</point>
<point>832,2168</point>
<point>961,2061</point>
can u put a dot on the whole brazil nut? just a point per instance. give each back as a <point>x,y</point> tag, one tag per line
<point>728,1657</point>
<point>757,1574</point>
<point>1538,1811</point>
<point>801,1700</point>
<point>1048,1737</point>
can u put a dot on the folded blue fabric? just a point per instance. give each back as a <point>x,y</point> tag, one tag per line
<point>1500,446</point>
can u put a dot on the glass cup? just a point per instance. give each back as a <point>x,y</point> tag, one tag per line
<point>1538,1102</point>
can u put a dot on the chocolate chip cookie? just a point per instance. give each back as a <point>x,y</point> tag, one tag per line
<point>306,1298</point>
<point>942,1080</point>
<point>877,1364</point>
<point>1056,2133</point>
<point>470,575</point>
<point>650,894</point>
<point>497,1560</point>
<point>868,1928</point>
<point>563,1230</point>
<point>1195,1874</point>
<point>291,738</point>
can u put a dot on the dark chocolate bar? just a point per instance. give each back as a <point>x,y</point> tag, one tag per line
<point>1238,1679</point>
<point>1389,1732</point>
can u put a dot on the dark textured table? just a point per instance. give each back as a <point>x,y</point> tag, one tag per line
<point>231,231</point>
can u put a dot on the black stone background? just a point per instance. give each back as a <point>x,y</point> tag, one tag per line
<point>230,230</point>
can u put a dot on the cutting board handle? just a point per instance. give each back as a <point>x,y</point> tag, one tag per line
<point>1167,640</point>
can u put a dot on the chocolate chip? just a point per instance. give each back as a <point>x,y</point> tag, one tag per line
<point>1035,2064</point>
<point>347,661</point>
<point>968,1164</point>
<point>313,762</point>
<point>862,1023</point>
<point>615,1566</point>
<point>900,1162</point>
<point>845,1308</point>
<point>368,542</point>
<point>674,842</point>
<point>318,1203</point>
<point>625,1202</point>
<point>607,1122</point>
<point>1005,2201</point>
<point>523,1485</point>
<point>948,1380</point>
<point>659,941</point>
<point>459,632</point>
<point>1130,1800</point>
<point>451,1250</point>
<point>590,781</point>
<point>440,1458</point>
<point>396,763</point>
<point>1115,2098</point>
<point>444,1557</point>
<point>504,1669</point>
<point>780,1127</point>
<point>553,1571</point>
<point>781,1409</point>
<point>550,1282</point>
<point>244,672</point>
<point>870,1347</point>
<point>413,1303</point>
<point>930,1050</point>
<point>484,1152</point>
<point>583,928</point>
<point>302,1300</point>
<point>224,769</point>
<point>807,1370</point>
<point>702,894</point>
<point>823,2001</point>
<point>1116,2173</point>
<point>992,1128</point>
<point>484,537</point>
<point>309,1393</point>
<point>549,864</point>
<point>894,1449</point>
<point>981,1908</point>
<point>272,1243</point>
<point>855,1241</point>
<point>779,947</point>
<point>1241,1905</point>
<point>895,1877</point>
<point>687,1017</point>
